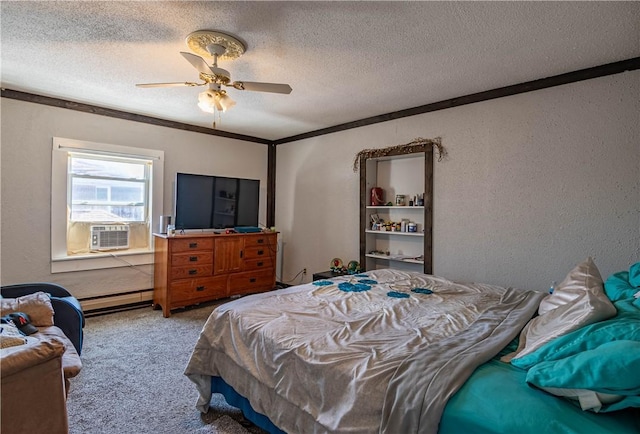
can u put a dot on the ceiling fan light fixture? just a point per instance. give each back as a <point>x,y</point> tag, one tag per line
<point>224,100</point>
<point>211,100</point>
<point>206,101</point>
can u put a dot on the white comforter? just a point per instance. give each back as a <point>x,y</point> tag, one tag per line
<point>352,357</point>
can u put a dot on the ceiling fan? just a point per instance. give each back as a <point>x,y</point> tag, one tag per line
<point>219,46</point>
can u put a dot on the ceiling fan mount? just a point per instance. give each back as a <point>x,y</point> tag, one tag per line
<point>210,42</point>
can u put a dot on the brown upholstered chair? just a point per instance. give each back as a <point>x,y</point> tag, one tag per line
<point>33,388</point>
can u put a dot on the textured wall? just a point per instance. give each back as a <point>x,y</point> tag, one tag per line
<point>27,131</point>
<point>533,184</point>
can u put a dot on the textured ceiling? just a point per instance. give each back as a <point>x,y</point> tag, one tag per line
<point>344,60</point>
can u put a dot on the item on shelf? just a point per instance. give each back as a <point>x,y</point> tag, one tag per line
<point>247,229</point>
<point>336,265</point>
<point>165,220</point>
<point>377,196</point>
<point>412,227</point>
<point>399,199</point>
<point>353,267</point>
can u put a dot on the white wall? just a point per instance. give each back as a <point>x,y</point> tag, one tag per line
<point>26,137</point>
<point>533,184</point>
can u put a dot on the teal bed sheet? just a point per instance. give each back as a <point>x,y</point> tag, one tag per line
<point>496,399</point>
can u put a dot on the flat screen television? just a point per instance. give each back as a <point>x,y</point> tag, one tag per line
<point>208,202</point>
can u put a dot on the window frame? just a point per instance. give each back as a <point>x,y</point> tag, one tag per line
<point>60,260</point>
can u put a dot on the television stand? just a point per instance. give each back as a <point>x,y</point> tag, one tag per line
<point>198,267</point>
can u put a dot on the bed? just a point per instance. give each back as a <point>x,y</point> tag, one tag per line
<point>393,351</point>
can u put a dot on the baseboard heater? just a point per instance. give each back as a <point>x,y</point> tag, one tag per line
<point>114,302</point>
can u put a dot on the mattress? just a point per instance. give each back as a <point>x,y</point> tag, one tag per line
<point>497,399</point>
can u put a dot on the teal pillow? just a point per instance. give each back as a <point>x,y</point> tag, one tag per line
<point>634,275</point>
<point>625,326</point>
<point>623,285</point>
<point>605,378</point>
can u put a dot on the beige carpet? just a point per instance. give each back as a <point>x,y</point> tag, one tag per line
<point>132,377</point>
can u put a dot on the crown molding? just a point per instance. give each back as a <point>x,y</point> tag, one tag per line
<point>529,86</point>
<point>96,110</point>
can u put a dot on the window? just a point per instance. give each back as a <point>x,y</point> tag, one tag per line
<point>103,192</point>
<point>108,189</point>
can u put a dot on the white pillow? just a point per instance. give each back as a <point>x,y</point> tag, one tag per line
<point>580,300</point>
<point>584,277</point>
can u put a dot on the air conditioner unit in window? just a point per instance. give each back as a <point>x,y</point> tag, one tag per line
<point>108,237</point>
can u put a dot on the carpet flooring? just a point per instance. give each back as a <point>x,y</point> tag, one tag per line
<point>132,377</point>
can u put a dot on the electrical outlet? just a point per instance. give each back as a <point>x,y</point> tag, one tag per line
<point>304,271</point>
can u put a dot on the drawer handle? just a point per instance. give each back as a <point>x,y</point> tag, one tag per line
<point>252,280</point>
<point>260,264</point>
<point>192,272</point>
<point>241,253</point>
<point>200,288</point>
<point>193,245</point>
<point>260,240</point>
<point>260,252</point>
<point>193,258</point>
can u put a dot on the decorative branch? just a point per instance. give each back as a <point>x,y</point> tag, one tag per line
<point>409,148</point>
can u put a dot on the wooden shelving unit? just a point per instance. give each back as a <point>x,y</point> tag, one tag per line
<point>406,250</point>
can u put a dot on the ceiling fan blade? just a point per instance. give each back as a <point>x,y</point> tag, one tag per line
<point>262,87</point>
<point>175,84</point>
<point>197,62</point>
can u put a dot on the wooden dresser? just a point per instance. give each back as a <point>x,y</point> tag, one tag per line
<point>194,268</point>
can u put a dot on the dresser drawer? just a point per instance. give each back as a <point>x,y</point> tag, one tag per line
<point>191,244</point>
<point>259,240</point>
<point>258,264</point>
<point>257,252</point>
<point>253,281</point>
<point>191,258</point>
<point>191,271</point>
<point>206,288</point>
